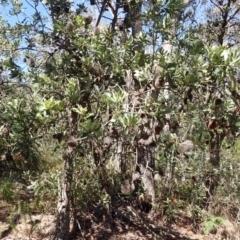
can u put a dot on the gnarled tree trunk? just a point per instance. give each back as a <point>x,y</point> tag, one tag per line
<point>65,183</point>
<point>212,178</point>
<point>145,161</point>
<point>64,196</point>
<point>145,154</point>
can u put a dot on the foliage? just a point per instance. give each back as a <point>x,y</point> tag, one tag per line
<point>212,223</point>
<point>7,191</point>
<point>115,95</point>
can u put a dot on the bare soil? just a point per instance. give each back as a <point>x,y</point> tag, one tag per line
<point>95,225</point>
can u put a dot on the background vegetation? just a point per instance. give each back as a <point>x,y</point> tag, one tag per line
<point>126,103</point>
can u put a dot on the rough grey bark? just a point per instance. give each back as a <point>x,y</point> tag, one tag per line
<point>65,183</point>
<point>64,196</point>
<point>145,158</point>
<point>145,153</point>
<point>135,12</point>
<point>212,178</point>
<point>136,17</point>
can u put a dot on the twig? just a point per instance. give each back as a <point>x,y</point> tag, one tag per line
<point>159,231</point>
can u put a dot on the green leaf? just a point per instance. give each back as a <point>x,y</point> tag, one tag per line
<point>211,223</point>
<point>80,110</point>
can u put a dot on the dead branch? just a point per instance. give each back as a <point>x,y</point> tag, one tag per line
<point>159,231</point>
